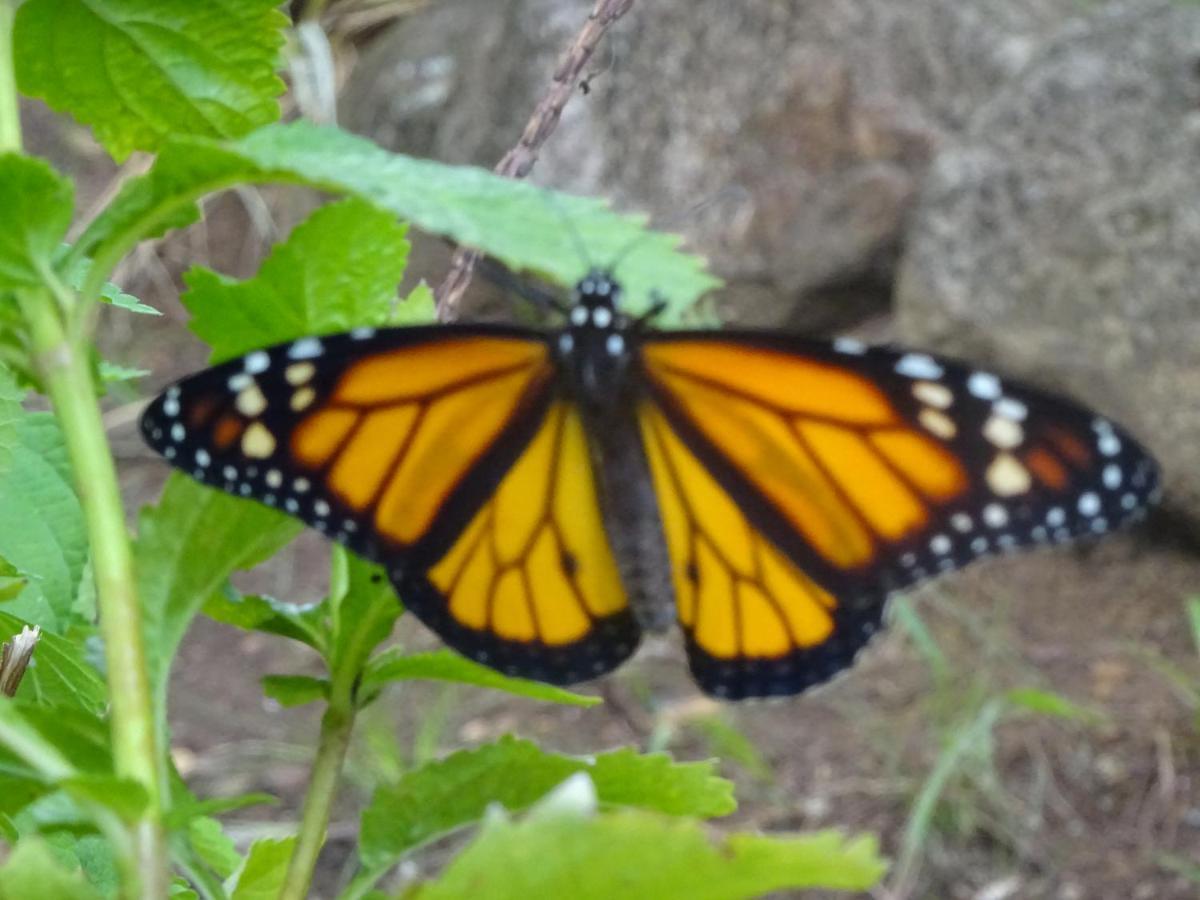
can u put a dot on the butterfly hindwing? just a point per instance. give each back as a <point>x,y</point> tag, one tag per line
<point>531,587</point>
<point>864,471</point>
<point>417,448</point>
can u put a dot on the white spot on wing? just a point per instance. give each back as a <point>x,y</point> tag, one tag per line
<point>1011,409</point>
<point>849,346</point>
<point>178,431</point>
<point>984,385</point>
<point>919,365</point>
<point>579,315</point>
<point>933,394</point>
<point>306,348</point>
<point>940,544</point>
<point>995,515</point>
<point>615,345</point>
<point>1112,476</point>
<point>602,316</point>
<point>256,362</point>
<point>1108,444</point>
<point>1089,504</point>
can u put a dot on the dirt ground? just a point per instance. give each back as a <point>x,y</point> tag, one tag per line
<point>1039,807</point>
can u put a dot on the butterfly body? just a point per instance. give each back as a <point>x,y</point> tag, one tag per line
<point>541,498</point>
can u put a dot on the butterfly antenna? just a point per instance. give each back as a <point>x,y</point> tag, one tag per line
<point>569,227</point>
<point>501,276</point>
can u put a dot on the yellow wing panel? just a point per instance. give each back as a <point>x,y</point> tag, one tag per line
<point>749,604</point>
<point>535,564</point>
<point>400,430</point>
<point>822,445</point>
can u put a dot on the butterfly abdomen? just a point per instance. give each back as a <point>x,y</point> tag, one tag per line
<point>631,518</point>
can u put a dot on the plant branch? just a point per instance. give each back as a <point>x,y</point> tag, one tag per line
<point>337,726</point>
<point>66,372</point>
<point>518,161</point>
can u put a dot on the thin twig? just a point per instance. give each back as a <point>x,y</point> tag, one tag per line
<point>518,161</point>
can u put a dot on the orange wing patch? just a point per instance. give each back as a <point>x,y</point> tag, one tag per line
<point>534,564</point>
<point>396,434</point>
<point>737,596</point>
<point>823,445</point>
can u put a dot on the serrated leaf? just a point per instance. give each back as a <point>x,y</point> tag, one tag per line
<point>262,873</point>
<point>418,308</point>
<point>336,270</point>
<point>306,624</point>
<point>640,855</point>
<point>210,842</point>
<point>74,271</point>
<point>140,71</point>
<point>187,546</point>
<point>42,530</point>
<point>523,226</point>
<point>295,690</point>
<point>445,665</point>
<point>34,870</point>
<point>446,794</point>
<point>35,211</point>
<point>60,674</point>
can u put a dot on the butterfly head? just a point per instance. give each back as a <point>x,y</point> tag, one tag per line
<point>593,347</point>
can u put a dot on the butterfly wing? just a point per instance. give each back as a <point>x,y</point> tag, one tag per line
<point>444,453</point>
<point>800,483</point>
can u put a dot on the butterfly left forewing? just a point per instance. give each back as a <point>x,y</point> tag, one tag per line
<point>870,469</point>
<point>424,449</point>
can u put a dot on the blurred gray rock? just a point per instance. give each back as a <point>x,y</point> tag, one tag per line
<point>1062,238</point>
<point>808,124</point>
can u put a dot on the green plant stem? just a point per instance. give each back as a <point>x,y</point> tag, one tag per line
<point>336,727</point>
<point>65,369</point>
<point>10,114</point>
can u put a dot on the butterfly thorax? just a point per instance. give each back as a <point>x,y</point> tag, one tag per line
<point>593,349</point>
<point>595,352</point>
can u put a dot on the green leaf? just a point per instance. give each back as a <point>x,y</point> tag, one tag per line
<point>187,546</point>
<point>337,270</point>
<point>35,211</point>
<point>140,71</point>
<point>210,842</point>
<point>295,690</point>
<point>417,308</point>
<point>60,674</point>
<point>521,225</point>
<point>306,624</point>
<point>75,271</point>
<point>262,873</point>
<point>126,798</point>
<point>363,608</point>
<point>444,795</point>
<point>34,870</point>
<point>42,531</point>
<point>638,854</point>
<point>445,665</point>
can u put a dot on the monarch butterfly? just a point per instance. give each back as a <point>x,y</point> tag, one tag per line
<point>539,498</point>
